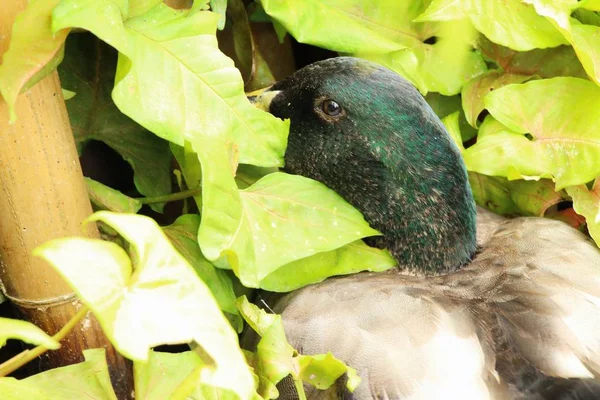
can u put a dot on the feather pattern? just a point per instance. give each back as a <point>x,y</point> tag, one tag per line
<point>526,305</point>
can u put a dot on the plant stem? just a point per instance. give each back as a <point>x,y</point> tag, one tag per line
<point>171,197</point>
<point>28,355</point>
<point>299,388</point>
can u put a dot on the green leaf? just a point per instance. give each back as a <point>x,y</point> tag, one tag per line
<point>88,379</point>
<point>586,202</point>
<point>106,198</point>
<point>349,259</point>
<point>88,69</point>
<point>446,105</point>
<point>448,64</point>
<point>564,142</point>
<point>139,7</point>
<point>534,197</point>
<point>323,370</point>
<point>276,359</point>
<point>67,94</point>
<point>442,10</point>
<point>34,51</point>
<point>585,39</point>
<point>219,7</point>
<point>512,24</point>
<point>183,234</point>
<point>492,192</point>
<point>388,35</point>
<point>547,63</point>
<point>453,127</point>
<point>169,89</point>
<point>354,26</point>
<point>279,219</point>
<point>160,301</point>
<point>25,331</point>
<point>476,89</point>
<point>519,197</point>
<point>163,373</point>
<point>590,4</point>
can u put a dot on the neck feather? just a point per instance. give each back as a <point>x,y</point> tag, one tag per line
<point>417,194</point>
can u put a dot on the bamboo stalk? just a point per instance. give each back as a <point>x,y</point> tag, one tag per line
<point>42,197</point>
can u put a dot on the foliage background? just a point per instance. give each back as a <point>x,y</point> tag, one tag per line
<point>515,82</point>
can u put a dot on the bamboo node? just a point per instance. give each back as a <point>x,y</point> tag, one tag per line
<point>38,303</point>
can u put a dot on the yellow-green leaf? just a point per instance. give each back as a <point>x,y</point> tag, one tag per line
<point>512,24</point>
<point>160,301</point>
<point>476,89</point>
<point>279,219</point>
<point>25,331</point>
<point>173,80</point>
<point>86,380</point>
<point>35,51</point>
<point>106,198</point>
<point>563,141</point>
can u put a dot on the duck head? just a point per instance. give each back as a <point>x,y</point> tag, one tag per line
<point>368,134</point>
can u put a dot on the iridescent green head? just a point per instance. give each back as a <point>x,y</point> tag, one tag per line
<point>369,135</point>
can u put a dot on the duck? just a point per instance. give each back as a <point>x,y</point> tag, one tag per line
<point>479,306</point>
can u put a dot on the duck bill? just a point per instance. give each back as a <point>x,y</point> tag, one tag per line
<point>262,98</point>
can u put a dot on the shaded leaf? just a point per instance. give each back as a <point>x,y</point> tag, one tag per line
<point>586,17</point>
<point>161,301</point>
<point>492,192</point>
<point>534,197</point>
<point>247,175</point>
<point>476,89</point>
<point>512,24</point>
<point>587,203</point>
<point>236,39</point>
<point>25,331</point>
<point>169,89</point>
<point>564,142</point>
<point>35,50</point>
<point>88,69</point>
<point>569,217</point>
<point>190,168</point>
<point>349,259</point>
<point>183,233</point>
<point>88,379</point>
<point>519,197</point>
<point>106,198</point>
<point>446,105</point>
<point>547,63</point>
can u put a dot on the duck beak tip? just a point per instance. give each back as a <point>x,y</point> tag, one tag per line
<point>262,98</point>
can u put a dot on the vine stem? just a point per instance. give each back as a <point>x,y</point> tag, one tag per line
<point>299,388</point>
<point>171,197</point>
<point>28,355</point>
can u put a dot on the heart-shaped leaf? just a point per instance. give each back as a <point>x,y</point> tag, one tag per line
<point>88,379</point>
<point>167,88</point>
<point>160,301</point>
<point>563,142</point>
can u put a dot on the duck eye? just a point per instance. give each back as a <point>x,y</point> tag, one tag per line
<point>331,108</point>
